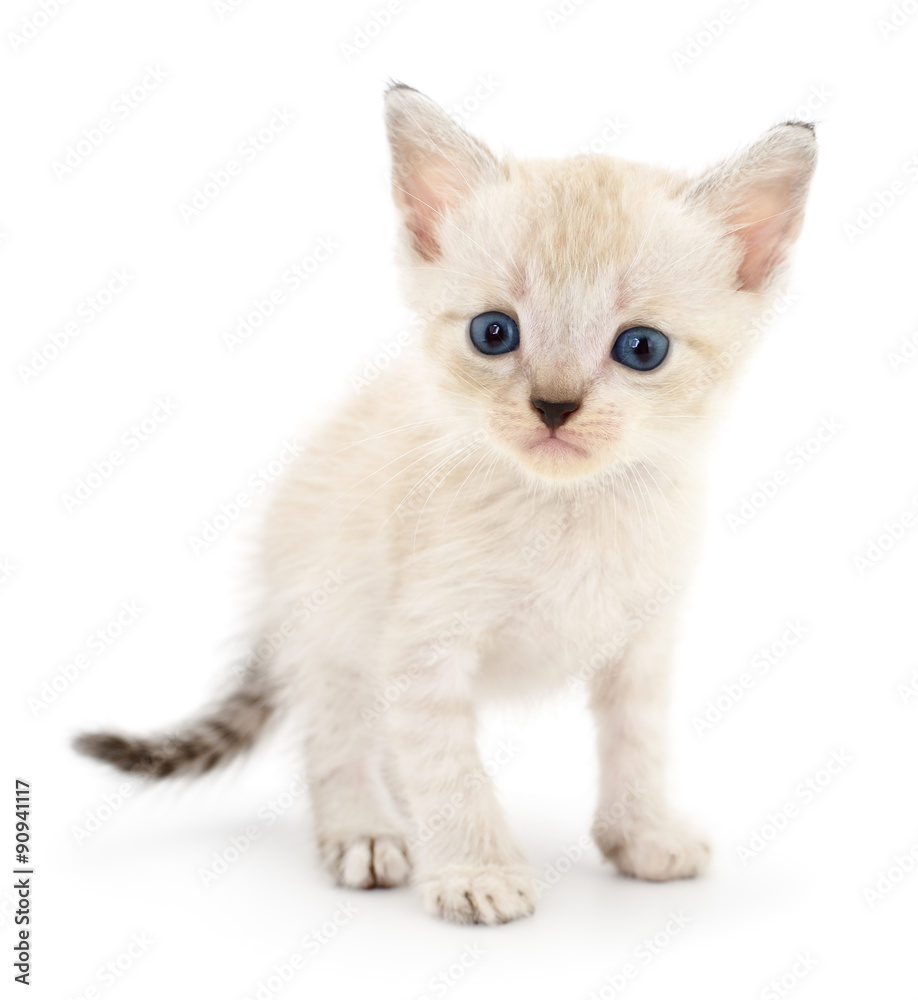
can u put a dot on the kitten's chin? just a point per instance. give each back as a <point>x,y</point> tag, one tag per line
<point>556,458</point>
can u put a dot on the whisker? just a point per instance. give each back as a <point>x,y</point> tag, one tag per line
<point>458,491</point>
<point>389,480</point>
<point>463,455</point>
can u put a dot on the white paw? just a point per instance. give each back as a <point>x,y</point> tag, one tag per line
<point>368,862</point>
<point>483,894</point>
<point>660,853</point>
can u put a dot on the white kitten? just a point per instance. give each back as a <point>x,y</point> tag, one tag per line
<point>576,313</point>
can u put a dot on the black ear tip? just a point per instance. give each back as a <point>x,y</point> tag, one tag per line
<point>392,85</point>
<point>796,123</point>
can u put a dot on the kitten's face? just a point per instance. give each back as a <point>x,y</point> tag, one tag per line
<point>574,253</point>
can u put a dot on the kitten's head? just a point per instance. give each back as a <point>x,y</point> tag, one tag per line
<point>580,308</point>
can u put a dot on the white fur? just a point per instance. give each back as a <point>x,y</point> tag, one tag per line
<point>426,496</point>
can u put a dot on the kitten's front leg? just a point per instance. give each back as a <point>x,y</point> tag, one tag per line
<point>466,865</point>
<point>634,826</point>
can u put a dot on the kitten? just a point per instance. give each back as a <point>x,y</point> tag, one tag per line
<point>521,490</point>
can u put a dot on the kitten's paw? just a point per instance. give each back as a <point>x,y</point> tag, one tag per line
<point>485,894</point>
<point>368,862</point>
<point>660,853</point>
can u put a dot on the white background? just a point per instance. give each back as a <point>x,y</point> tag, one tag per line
<point>554,86</point>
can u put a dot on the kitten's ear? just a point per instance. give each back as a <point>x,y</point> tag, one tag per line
<point>760,194</point>
<point>435,165</point>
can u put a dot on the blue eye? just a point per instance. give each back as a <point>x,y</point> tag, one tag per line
<point>641,348</point>
<point>494,333</point>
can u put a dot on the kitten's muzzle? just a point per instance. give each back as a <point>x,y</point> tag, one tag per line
<point>554,414</point>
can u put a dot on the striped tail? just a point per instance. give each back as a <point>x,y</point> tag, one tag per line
<point>231,727</point>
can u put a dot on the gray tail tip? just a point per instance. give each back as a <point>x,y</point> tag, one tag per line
<point>124,753</point>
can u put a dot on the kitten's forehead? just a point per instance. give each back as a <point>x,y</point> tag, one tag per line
<point>591,225</point>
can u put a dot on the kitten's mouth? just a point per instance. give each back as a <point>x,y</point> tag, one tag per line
<point>555,453</point>
<point>551,444</point>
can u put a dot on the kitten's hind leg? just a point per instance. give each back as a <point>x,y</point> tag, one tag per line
<point>360,833</point>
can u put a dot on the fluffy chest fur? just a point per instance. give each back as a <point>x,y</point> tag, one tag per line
<point>436,533</point>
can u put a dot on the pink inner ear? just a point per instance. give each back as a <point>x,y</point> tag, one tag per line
<point>424,240</point>
<point>426,200</point>
<point>765,226</point>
